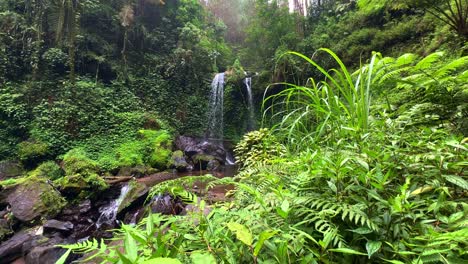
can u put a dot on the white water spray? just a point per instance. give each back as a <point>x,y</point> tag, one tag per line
<point>109,212</point>
<point>250,106</point>
<point>215,118</point>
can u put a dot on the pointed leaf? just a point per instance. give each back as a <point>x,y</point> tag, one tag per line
<point>242,233</point>
<point>265,235</point>
<point>372,247</point>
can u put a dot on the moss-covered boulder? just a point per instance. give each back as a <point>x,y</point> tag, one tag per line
<point>179,162</point>
<point>35,198</point>
<point>49,170</point>
<point>136,191</point>
<point>81,174</point>
<point>201,161</point>
<point>158,144</point>
<point>32,152</point>
<point>10,169</point>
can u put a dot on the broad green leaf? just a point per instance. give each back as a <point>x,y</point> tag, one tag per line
<point>190,237</point>
<point>242,233</point>
<point>455,217</point>
<point>130,246</point>
<point>265,235</point>
<point>202,258</point>
<point>372,247</point>
<point>362,230</point>
<point>332,186</point>
<point>285,206</point>
<point>457,180</point>
<point>161,261</point>
<point>347,251</point>
<point>394,261</point>
<point>149,225</point>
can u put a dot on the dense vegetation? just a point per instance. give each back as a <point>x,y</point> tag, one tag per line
<point>362,152</point>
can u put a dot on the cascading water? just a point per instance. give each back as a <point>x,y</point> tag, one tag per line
<point>109,212</point>
<point>215,118</point>
<point>250,106</point>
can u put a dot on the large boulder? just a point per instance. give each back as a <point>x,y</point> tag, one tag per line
<point>137,191</point>
<point>201,151</point>
<point>34,198</point>
<point>201,161</point>
<point>10,169</point>
<point>179,162</point>
<point>188,145</point>
<point>13,248</point>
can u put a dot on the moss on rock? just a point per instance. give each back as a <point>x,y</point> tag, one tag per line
<point>33,198</point>
<point>81,174</point>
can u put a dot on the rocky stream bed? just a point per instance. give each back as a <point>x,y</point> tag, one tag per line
<point>37,216</point>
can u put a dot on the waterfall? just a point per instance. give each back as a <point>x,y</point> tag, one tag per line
<point>109,212</point>
<point>215,118</point>
<point>250,106</point>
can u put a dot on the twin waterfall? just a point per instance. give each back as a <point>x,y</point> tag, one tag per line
<point>215,117</point>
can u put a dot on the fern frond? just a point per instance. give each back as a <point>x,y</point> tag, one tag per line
<point>452,66</point>
<point>428,61</point>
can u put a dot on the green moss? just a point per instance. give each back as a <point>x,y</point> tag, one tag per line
<point>130,154</point>
<point>30,152</point>
<point>53,202</point>
<point>76,161</point>
<point>49,170</point>
<point>158,146</point>
<point>81,174</point>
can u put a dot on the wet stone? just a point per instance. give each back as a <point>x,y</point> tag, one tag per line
<point>52,226</point>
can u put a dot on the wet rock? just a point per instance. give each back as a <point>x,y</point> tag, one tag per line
<point>201,161</point>
<point>13,248</point>
<point>213,165</point>
<point>35,198</point>
<point>42,250</point>
<point>194,149</point>
<point>10,169</point>
<point>179,162</point>
<point>53,225</point>
<point>188,145</point>
<point>82,208</point>
<point>163,204</point>
<point>137,191</point>
<point>5,229</point>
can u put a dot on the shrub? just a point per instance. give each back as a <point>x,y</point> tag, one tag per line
<point>258,146</point>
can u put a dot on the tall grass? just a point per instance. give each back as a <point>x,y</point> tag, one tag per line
<point>337,106</point>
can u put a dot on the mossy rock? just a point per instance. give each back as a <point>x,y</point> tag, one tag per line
<point>10,169</point>
<point>137,190</point>
<point>130,154</point>
<point>179,162</point>
<point>201,161</point>
<point>35,198</point>
<point>49,170</point>
<point>76,161</point>
<point>158,144</point>
<point>32,152</point>
<point>137,171</point>
<point>83,185</point>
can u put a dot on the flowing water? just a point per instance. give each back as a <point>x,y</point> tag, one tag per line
<point>250,106</point>
<point>215,117</point>
<point>109,212</point>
